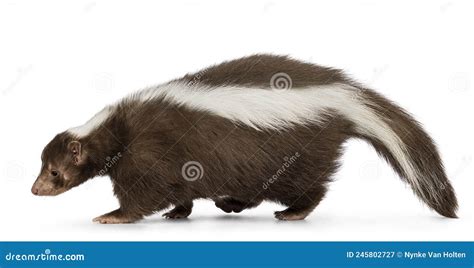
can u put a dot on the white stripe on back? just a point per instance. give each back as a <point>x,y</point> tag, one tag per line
<point>93,123</point>
<point>274,109</point>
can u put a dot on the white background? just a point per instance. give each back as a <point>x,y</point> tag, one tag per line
<point>62,61</point>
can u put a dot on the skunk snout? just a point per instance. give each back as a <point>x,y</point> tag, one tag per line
<point>34,190</point>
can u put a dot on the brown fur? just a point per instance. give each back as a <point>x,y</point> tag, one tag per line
<point>156,139</point>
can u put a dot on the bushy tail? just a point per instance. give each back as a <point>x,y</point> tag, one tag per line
<point>407,147</point>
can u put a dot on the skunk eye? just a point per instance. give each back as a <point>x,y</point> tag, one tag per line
<point>54,173</point>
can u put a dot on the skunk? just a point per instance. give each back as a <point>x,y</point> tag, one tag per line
<point>258,128</point>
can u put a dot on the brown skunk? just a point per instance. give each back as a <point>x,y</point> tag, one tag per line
<point>258,128</point>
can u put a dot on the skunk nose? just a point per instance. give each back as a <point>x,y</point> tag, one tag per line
<point>34,190</point>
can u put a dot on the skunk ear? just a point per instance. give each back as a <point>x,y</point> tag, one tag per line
<point>75,149</point>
